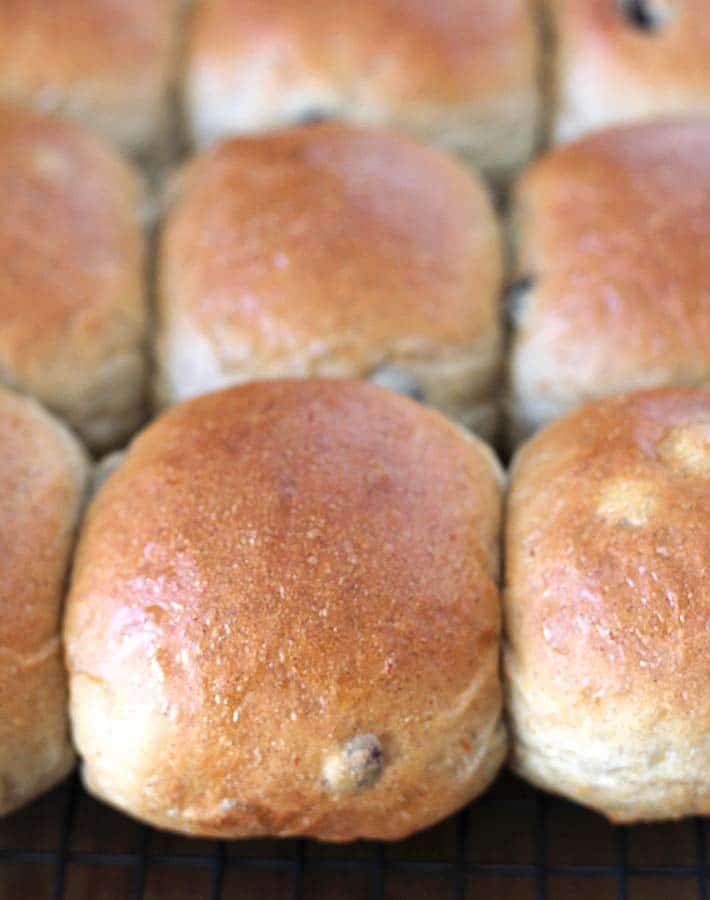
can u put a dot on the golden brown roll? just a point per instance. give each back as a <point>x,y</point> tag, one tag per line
<point>72,304</point>
<point>42,483</point>
<point>607,606</point>
<point>459,73</point>
<point>106,63</point>
<point>284,617</point>
<point>612,238</point>
<point>332,251</point>
<point>622,60</point>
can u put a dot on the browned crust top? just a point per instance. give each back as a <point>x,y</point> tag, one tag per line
<point>608,557</point>
<point>614,231</point>
<point>331,234</point>
<point>294,564</point>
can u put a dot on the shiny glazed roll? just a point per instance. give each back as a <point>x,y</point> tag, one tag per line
<point>607,606</point>
<point>336,251</point>
<point>612,235</point>
<point>284,617</point>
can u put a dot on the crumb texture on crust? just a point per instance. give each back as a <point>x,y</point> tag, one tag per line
<point>330,251</point>
<point>72,304</point>
<point>612,233</point>
<point>659,50</point>
<point>284,617</point>
<point>607,602</point>
<point>106,63</point>
<point>44,477</point>
<point>456,73</point>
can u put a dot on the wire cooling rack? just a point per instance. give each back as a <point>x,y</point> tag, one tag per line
<point>512,843</point>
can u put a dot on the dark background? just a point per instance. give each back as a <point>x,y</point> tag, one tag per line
<point>513,843</point>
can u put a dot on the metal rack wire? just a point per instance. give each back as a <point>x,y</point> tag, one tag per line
<point>455,872</point>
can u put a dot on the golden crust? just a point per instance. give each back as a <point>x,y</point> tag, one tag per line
<point>44,475</point>
<point>664,68</point>
<point>108,64</point>
<point>606,605</point>
<point>334,251</point>
<point>454,72</point>
<point>284,617</point>
<point>613,233</point>
<point>72,306</point>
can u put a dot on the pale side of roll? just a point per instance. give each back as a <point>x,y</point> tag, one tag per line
<point>44,475</point>
<point>332,251</point>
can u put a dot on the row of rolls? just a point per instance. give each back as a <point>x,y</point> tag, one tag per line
<point>332,250</point>
<point>306,599</point>
<point>285,618</point>
<point>484,78</point>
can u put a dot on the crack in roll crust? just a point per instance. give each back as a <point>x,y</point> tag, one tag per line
<point>331,251</point>
<point>284,617</point>
<point>612,232</point>
<point>606,606</point>
<point>44,477</point>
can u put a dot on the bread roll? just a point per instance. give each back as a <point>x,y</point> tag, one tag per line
<point>44,475</point>
<point>332,251</point>
<point>613,234</point>
<point>607,603</point>
<point>622,60</point>
<point>284,617</point>
<point>108,64</point>
<point>458,73</point>
<point>72,304</point>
